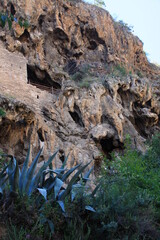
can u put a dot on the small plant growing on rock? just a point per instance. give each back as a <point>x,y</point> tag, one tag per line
<point>6,18</point>
<point>119,70</point>
<point>2,112</point>
<point>84,77</point>
<point>99,3</point>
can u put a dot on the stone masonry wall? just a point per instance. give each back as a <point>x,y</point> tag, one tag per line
<point>12,66</point>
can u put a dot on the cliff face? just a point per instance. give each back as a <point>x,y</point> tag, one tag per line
<point>66,46</point>
<point>61,31</point>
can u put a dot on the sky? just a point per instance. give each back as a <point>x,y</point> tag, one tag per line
<point>144,16</point>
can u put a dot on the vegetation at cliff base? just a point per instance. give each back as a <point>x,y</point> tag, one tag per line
<point>125,203</point>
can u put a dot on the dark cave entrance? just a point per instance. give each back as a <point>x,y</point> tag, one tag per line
<point>42,80</point>
<point>77,116</point>
<point>12,9</point>
<point>108,145</point>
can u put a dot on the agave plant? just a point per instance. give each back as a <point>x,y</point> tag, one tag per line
<point>25,181</point>
<point>3,179</point>
<point>52,188</point>
<point>48,182</point>
<point>55,183</point>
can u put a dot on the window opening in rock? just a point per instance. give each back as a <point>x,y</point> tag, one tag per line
<point>40,135</point>
<point>41,141</point>
<point>41,20</point>
<point>76,116</point>
<point>61,155</point>
<point>42,80</point>
<point>104,118</point>
<point>13,11</point>
<point>149,103</point>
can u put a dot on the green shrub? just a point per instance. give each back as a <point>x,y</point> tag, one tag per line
<point>100,3</point>
<point>2,112</point>
<point>15,233</point>
<point>84,76</point>
<point>119,70</point>
<point>6,18</point>
<point>140,74</point>
<point>129,195</point>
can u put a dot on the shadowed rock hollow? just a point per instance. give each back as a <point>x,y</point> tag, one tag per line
<point>72,50</point>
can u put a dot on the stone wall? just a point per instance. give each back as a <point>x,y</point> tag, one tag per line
<point>12,66</point>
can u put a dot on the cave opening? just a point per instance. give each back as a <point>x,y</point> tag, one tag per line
<point>41,19</point>
<point>61,155</point>
<point>149,103</point>
<point>110,144</point>
<point>12,9</point>
<point>25,36</point>
<point>77,116</point>
<point>140,126</point>
<point>40,135</point>
<point>107,145</point>
<point>41,79</point>
<point>93,45</point>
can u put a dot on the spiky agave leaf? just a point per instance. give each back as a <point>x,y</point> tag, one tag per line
<point>89,208</point>
<point>15,183</point>
<point>11,169</point>
<point>51,168</point>
<point>65,161</point>
<point>76,189</point>
<point>57,186</point>
<point>74,179</point>
<point>61,204</point>
<point>69,172</point>
<point>43,192</point>
<point>30,173</point>
<point>86,176</point>
<point>35,181</point>
<point>24,170</point>
<point>57,171</point>
<point>95,190</point>
<point>42,178</point>
<point>3,178</point>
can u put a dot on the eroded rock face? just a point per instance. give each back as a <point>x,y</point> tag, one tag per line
<point>81,121</point>
<point>63,31</point>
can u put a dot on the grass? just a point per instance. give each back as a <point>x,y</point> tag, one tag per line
<point>119,70</point>
<point>84,77</point>
<point>15,233</point>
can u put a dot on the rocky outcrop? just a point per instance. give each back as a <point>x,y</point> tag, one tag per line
<point>66,46</point>
<point>62,31</point>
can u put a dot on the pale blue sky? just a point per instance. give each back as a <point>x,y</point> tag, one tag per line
<point>144,16</point>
